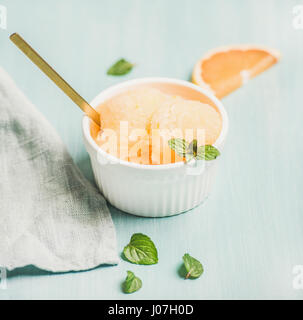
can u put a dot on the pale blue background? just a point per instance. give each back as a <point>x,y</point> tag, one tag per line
<point>249,234</point>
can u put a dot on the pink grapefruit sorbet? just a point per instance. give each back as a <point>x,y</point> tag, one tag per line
<point>137,124</point>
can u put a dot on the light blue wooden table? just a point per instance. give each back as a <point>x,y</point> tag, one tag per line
<point>249,234</point>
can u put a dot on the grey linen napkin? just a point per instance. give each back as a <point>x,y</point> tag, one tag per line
<point>50,215</point>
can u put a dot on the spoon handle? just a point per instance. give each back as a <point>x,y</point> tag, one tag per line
<point>55,77</point>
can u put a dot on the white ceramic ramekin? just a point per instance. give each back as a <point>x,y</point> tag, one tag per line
<point>152,190</point>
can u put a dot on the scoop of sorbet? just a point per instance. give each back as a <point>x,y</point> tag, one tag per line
<point>137,124</point>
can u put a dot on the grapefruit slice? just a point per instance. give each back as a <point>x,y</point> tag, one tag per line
<point>223,70</point>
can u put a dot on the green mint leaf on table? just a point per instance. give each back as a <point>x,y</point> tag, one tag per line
<point>120,68</point>
<point>141,250</point>
<point>180,146</point>
<point>131,283</point>
<point>191,150</point>
<point>193,267</point>
<point>207,153</point>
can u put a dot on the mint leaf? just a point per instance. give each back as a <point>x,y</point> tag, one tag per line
<point>131,283</point>
<point>120,68</point>
<point>207,153</point>
<point>193,267</point>
<point>180,146</point>
<point>193,147</point>
<point>141,250</point>
<point>191,150</point>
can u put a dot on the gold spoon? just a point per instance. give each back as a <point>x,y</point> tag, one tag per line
<point>55,77</point>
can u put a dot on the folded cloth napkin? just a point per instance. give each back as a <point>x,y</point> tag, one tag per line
<point>50,215</point>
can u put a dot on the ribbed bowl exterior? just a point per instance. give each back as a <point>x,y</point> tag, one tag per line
<point>153,193</point>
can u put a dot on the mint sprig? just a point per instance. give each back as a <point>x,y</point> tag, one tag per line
<point>131,283</point>
<point>141,250</point>
<point>120,68</point>
<point>191,150</point>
